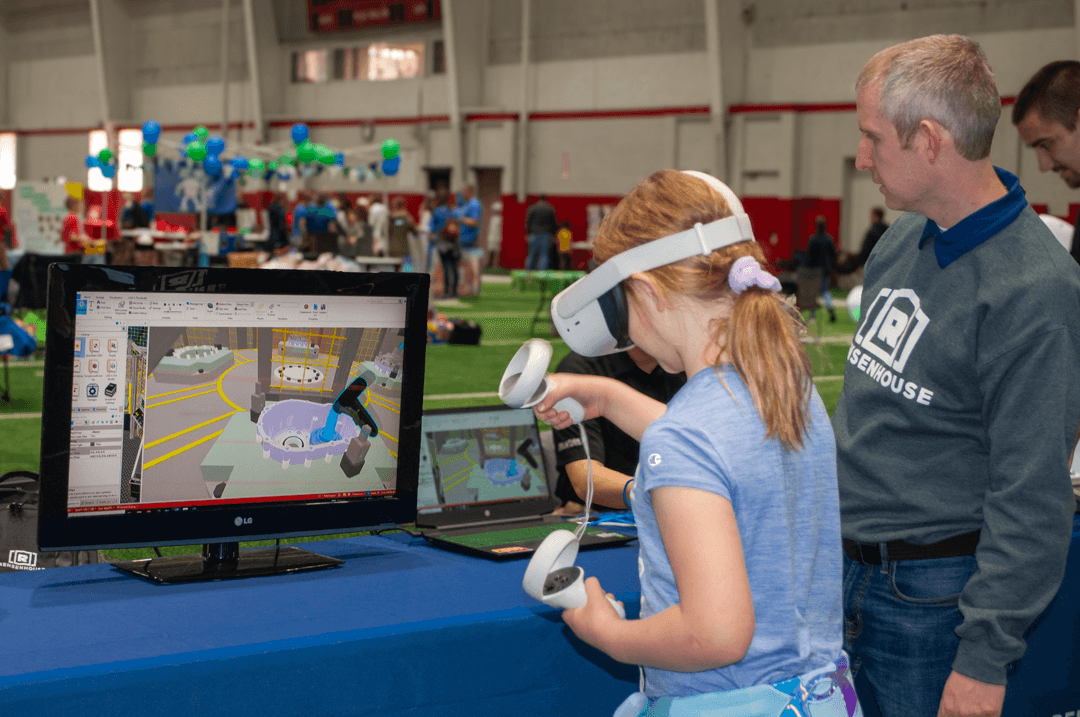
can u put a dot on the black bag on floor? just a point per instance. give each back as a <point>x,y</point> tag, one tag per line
<point>465,332</point>
<point>18,529</point>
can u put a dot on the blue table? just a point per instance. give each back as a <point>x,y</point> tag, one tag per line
<point>400,629</point>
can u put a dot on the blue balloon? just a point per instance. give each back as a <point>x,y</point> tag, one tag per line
<point>390,166</point>
<point>299,133</point>
<point>339,159</point>
<point>92,161</point>
<point>215,145</point>
<point>151,132</point>
<point>212,165</point>
<point>190,137</point>
<point>240,163</point>
<point>108,170</point>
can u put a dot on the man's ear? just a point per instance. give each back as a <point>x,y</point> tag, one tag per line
<point>933,137</point>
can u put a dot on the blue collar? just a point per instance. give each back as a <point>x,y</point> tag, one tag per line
<point>978,226</point>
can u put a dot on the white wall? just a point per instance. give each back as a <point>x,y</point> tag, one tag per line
<point>602,83</point>
<point>54,92</point>
<point>50,156</point>
<point>588,56</point>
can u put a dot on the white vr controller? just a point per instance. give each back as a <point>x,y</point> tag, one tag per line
<point>524,382</point>
<point>551,577</point>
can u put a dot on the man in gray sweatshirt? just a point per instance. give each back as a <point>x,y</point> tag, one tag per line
<point>961,397</point>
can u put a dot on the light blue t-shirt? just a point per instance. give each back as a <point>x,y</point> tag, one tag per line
<point>787,511</point>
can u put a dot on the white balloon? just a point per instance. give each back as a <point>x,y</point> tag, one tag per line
<point>1061,229</point>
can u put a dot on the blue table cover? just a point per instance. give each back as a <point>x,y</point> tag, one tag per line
<point>400,629</point>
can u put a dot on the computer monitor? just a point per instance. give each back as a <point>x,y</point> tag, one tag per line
<point>213,406</point>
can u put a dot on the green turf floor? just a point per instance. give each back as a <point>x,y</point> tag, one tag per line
<point>453,376</point>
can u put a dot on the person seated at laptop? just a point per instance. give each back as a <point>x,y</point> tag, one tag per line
<point>614,454</point>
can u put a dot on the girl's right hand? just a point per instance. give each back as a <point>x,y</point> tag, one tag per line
<point>586,390</point>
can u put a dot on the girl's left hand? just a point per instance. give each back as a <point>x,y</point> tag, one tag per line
<point>592,622</point>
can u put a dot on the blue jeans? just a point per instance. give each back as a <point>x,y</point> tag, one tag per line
<point>539,246</point>
<point>901,620</point>
<point>825,281</point>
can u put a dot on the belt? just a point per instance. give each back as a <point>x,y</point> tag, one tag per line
<point>870,553</point>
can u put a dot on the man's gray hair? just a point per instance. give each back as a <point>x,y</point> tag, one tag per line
<point>945,78</point>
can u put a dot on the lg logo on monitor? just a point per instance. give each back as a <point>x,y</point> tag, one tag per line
<point>241,521</point>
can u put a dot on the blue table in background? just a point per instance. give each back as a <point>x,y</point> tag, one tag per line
<point>400,629</point>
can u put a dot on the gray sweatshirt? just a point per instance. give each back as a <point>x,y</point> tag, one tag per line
<point>960,410</point>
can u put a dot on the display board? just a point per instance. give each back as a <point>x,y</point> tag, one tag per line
<point>333,15</point>
<point>38,210</point>
<point>182,188</point>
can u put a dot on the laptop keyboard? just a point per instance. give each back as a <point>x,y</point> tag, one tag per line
<point>532,533</point>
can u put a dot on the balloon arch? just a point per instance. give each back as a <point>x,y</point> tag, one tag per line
<point>305,159</point>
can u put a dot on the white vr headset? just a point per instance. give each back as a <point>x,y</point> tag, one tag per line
<point>591,314</point>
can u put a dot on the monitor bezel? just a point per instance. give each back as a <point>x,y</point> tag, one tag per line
<point>59,531</point>
<point>526,507</point>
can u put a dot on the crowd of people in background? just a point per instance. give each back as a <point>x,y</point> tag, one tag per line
<point>378,226</point>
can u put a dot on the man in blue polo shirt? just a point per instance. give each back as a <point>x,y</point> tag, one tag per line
<point>468,216</point>
<point>959,410</point>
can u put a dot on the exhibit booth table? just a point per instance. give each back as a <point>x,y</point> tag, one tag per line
<point>401,628</point>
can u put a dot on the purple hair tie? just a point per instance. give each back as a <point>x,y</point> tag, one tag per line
<point>746,272</point>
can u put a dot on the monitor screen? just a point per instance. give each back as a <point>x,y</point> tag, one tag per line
<point>216,405</point>
<point>480,463</point>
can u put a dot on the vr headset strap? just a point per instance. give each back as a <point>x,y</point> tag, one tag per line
<point>700,239</point>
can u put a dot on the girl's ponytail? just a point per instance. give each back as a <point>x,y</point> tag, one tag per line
<point>763,340</point>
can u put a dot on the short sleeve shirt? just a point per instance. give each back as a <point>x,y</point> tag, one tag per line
<point>607,443</point>
<point>787,509</point>
<point>472,210</point>
<point>71,229</point>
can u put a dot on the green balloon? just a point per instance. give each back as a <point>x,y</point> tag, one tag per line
<point>256,165</point>
<point>202,133</point>
<point>305,152</point>
<point>390,148</point>
<point>272,166</point>
<point>324,154</point>
<point>149,149</point>
<point>283,160</point>
<point>105,156</point>
<point>196,150</point>
<point>344,171</point>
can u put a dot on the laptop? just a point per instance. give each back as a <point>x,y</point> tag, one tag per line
<point>483,487</point>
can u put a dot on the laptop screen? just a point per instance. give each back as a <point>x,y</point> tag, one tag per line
<point>480,464</point>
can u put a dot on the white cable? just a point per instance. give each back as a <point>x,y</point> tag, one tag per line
<point>589,479</point>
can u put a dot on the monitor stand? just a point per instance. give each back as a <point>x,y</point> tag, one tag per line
<point>225,561</point>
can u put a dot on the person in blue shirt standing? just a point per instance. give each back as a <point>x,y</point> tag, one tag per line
<point>959,409</point>
<point>468,216</point>
<point>320,225</point>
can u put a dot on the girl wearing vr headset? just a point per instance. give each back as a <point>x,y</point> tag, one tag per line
<point>735,497</point>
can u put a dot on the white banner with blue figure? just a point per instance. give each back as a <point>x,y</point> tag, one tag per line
<point>178,187</point>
